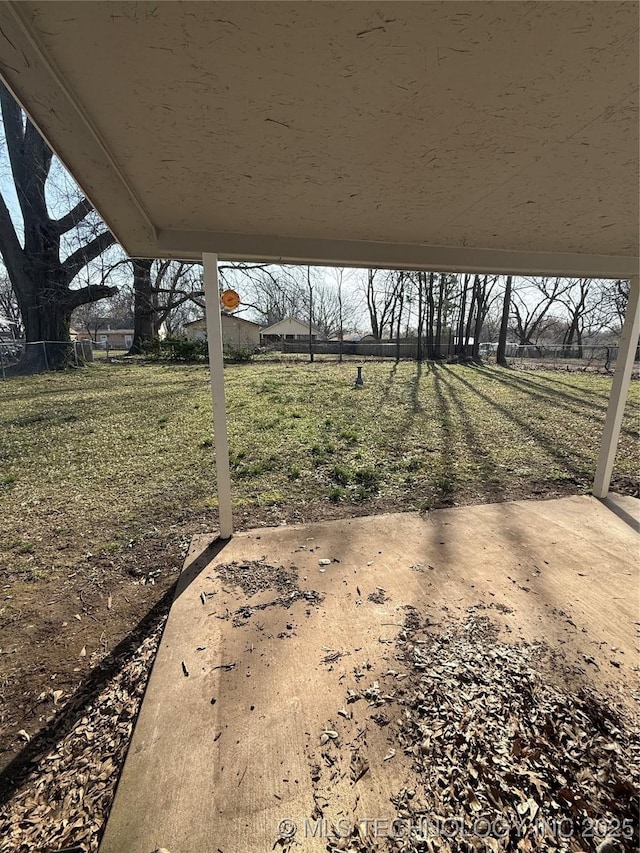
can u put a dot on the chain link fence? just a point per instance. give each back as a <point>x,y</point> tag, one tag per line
<point>18,356</point>
<point>596,358</point>
<point>404,349</point>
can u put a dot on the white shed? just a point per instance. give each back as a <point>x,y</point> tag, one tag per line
<point>289,329</point>
<point>236,331</point>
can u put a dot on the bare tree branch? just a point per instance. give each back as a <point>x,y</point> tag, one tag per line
<point>92,293</point>
<point>75,216</point>
<point>14,134</point>
<point>82,256</point>
<point>9,244</point>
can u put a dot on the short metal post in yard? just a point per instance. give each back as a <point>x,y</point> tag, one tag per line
<point>359,379</point>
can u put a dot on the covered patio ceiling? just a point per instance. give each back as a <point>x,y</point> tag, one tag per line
<point>480,136</point>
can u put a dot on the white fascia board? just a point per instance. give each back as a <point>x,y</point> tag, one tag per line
<point>189,245</point>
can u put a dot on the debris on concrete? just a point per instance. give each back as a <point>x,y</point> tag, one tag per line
<point>490,734</point>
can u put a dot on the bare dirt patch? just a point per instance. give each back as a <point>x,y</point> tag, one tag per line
<point>60,639</point>
<point>68,785</point>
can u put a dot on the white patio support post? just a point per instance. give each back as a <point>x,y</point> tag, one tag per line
<point>619,389</point>
<point>216,372</point>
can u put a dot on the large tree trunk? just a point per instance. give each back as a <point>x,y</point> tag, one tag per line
<point>42,281</point>
<point>143,306</point>
<point>571,331</point>
<point>471,315</point>
<point>430,317</point>
<point>400,308</point>
<point>501,356</point>
<point>47,342</point>
<point>371,305</point>
<point>46,305</point>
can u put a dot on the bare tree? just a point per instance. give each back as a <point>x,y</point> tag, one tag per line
<point>580,307</point>
<point>382,293</point>
<point>615,296</point>
<point>176,288</point>
<point>399,307</point>
<point>310,291</point>
<point>272,292</point>
<point>41,278</point>
<point>422,281</point>
<point>90,318</point>
<point>462,313</point>
<point>484,298</point>
<point>339,273</point>
<point>531,302</point>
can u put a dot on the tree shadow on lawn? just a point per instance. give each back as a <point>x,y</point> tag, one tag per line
<point>489,482</point>
<point>447,484</point>
<point>13,776</point>
<point>389,382</point>
<point>416,405</point>
<point>575,403</point>
<point>582,475</point>
<point>525,383</point>
<point>542,393</point>
<point>546,378</point>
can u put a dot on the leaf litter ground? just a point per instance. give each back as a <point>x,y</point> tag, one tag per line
<point>503,757</point>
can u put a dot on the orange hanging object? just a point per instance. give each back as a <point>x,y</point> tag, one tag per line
<point>229,299</point>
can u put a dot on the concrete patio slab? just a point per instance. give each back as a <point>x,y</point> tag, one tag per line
<point>238,699</point>
<point>626,508</point>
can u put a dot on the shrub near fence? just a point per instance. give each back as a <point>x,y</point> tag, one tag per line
<point>177,349</point>
<point>183,349</point>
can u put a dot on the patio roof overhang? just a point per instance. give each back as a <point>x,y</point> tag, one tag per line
<point>479,136</point>
<point>497,137</point>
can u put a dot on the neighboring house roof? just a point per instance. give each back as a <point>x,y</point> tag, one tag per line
<point>279,328</point>
<point>113,324</point>
<point>201,322</point>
